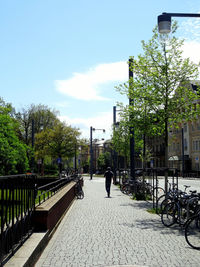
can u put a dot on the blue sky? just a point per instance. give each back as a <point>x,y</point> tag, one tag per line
<point>70,54</point>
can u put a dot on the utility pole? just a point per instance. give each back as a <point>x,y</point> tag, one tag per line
<point>33,143</point>
<point>114,152</point>
<point>91,154</point>
<point>131,129</point>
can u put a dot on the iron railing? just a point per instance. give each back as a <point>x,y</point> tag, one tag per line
<point>46,191</point>
<point>19,195</point>
<point>151,177</point>
<point>17,205</point>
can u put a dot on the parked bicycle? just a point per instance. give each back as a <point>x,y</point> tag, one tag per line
<point>192,231</point>
<point>167,197</point>
<point>182,207</point>
<point>141,187</point>
<point>78,189</point>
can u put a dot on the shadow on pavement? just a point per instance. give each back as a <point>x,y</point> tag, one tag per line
<point>155,224</point>
<point>138,204</point>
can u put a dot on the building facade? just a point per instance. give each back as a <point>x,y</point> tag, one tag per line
<point>184,143</point>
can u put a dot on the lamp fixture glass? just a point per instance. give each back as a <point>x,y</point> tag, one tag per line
<point>164,24</point>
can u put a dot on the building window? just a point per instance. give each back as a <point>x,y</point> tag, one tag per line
<point>173,147</point>
<point>185,144</point>
<point>185,128</point>
<point>196,145</point>
<point>177,147</point>
<point>193,128</point>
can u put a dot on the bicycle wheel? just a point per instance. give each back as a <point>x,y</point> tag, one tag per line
<point>192,232</point>
<point>169,214</point>
<point>127,190</point>
<point>80,194</point>
<point>124,188</point>
<point>182,216</point>
<point>162,201</point>
<point>160,191</point>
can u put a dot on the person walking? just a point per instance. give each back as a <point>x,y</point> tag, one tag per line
<point>108,175</point>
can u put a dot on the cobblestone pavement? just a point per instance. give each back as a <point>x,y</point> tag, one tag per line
<point>100,231</point>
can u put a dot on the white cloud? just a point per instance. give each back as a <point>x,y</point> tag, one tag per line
<point>86,86</point>
<point>191,49</point>
<point>103,120</point>
<point>190,31</point>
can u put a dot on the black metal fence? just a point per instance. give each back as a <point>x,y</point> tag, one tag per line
<point>46,191</point>
<point>17,204</point>
<point>148,178</point>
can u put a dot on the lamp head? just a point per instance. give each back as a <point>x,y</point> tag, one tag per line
<point>164,23</point>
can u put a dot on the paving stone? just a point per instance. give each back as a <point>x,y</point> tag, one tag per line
<point>100,231</point>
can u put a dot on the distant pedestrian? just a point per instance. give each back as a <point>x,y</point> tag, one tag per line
<point>108,175</point>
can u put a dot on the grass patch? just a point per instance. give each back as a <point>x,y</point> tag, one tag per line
<point>43,196</point>
<point>154,211</point>
<point>141,196</point>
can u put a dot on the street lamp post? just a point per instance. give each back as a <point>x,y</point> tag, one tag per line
<point>183,156</point>
<point>75,158</point>
<point>33,144</point>
<point>164,20</point>
<point>164,27</point>
<point>91,154</point>
<point>131,129</point>
<point>114,152</point>
<point>91,150</point>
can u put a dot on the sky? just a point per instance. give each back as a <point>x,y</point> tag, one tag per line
<point>70,55</point>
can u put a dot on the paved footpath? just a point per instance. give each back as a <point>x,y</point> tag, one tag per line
<point>101,231</point>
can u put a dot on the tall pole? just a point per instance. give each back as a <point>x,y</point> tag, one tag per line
<point>114,152</point>
<point>75,165</point>
<point>33,143</point>
<point>91,154</point>
<point>131,129</point>
<point>183,157</point>
<point>91,150</point>
<point>114,115</point>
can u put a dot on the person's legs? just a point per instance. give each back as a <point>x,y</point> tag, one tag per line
<point>108,188</point>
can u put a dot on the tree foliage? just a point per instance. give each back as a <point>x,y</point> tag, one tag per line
<point>35,118</point>
<point>13,158</point>
<point>160,87</point>
<point>121,136</point>
<point>104,161</point>
<point>54,139</point>
<point>58,142</point>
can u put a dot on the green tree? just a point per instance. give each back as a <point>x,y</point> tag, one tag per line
<point>13,157</point>
<point>43,117</point>
<point>59,142</point>
<point>121,136</point>
<point>62,140</point>
<point>33,120</point>
<point>159,87</point>
<point>121,141</point>
<point>104,161</point>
